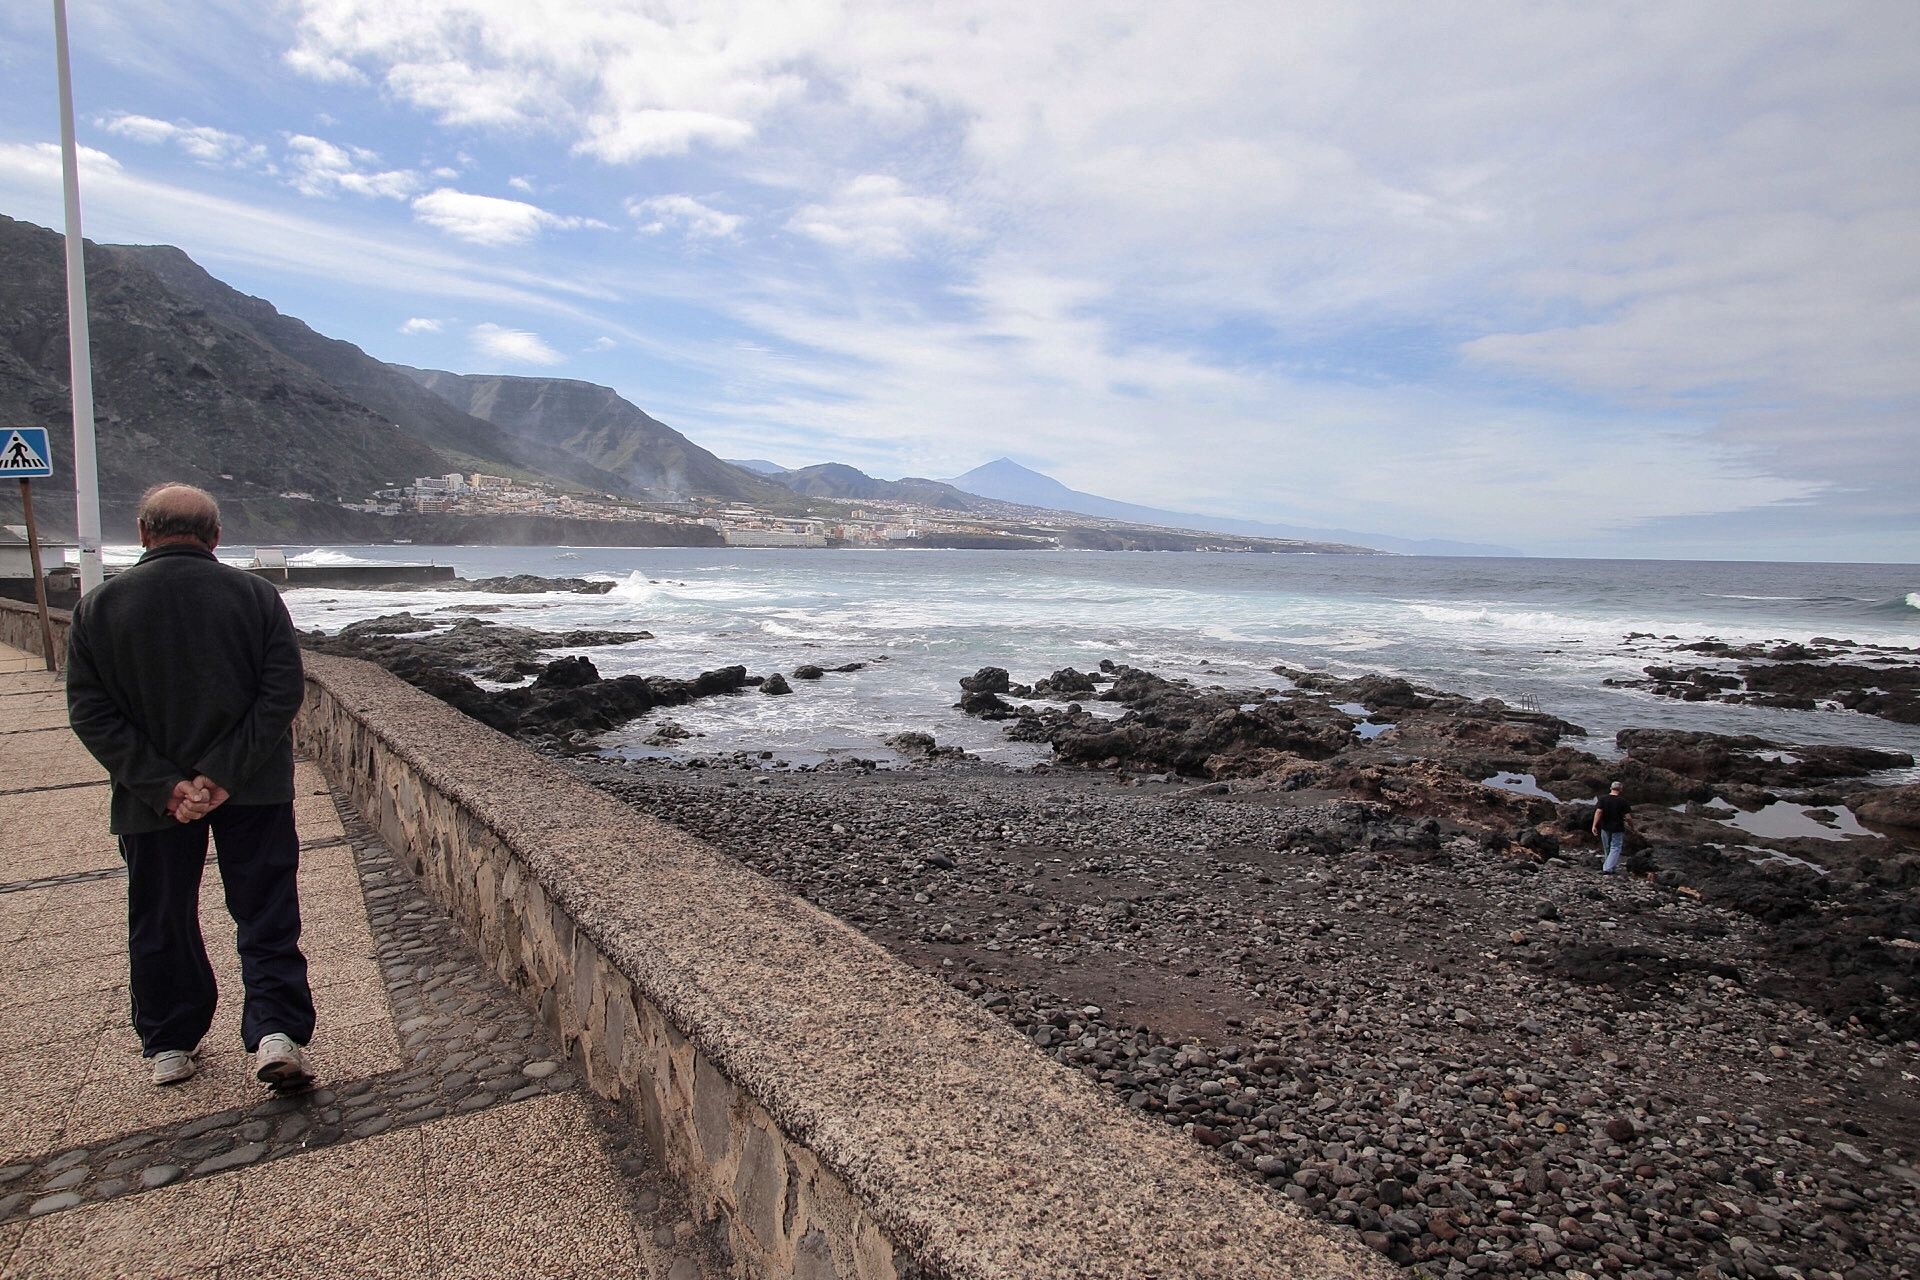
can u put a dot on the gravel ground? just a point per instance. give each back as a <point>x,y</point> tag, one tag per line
<point>1486,1063</point>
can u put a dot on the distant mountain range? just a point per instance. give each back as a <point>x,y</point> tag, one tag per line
<point>840,481</point>
<point>1008,481</point>
<point>196,381</point>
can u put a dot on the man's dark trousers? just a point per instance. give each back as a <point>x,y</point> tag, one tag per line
<point>172,982</point>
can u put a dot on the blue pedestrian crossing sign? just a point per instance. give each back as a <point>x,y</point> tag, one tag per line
<point>24,454</point>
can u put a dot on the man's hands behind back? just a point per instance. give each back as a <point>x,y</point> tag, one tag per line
<point>195,798</point>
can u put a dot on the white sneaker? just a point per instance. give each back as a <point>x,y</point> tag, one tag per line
<point>281,1063</point>
<point>173,1066</point>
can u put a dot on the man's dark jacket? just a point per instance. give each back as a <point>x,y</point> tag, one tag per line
<point>182,666</point>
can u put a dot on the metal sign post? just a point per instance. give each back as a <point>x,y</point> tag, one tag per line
<point>24,453</point>
<point>39,579</point>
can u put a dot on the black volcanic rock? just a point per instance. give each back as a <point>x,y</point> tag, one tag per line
<point>986,680</point>
<point>568,673</point>
<point>1781,675</point>
<point>569,698</point>
<point>1170,725</point>
<point>519,584</point>
<point>1753,761</point>
<point>468,646</point>
<point>1892,807</point>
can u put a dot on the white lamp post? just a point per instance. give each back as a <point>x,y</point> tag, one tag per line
<point>86,472</point>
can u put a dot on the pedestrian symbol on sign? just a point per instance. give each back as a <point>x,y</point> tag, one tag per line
<point>24,453</point>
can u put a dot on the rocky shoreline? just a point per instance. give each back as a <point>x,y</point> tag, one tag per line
<point>1875,680</point>
<point>1486,1065</point>
<point>1350,935</point>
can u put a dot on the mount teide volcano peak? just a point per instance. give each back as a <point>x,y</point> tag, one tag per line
<point>1008,481</point>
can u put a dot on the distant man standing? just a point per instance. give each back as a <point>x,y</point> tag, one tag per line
<point>183,677</point>
<point>1610,824</point>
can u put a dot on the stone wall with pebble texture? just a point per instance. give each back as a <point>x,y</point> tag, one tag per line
<point>20,627</point>
<point>782,1214</point>
<point>833,1114</point>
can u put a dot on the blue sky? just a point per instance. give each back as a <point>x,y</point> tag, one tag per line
<point>1608,279</point>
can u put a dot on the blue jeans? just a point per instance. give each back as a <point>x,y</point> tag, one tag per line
<point>1613,844</point>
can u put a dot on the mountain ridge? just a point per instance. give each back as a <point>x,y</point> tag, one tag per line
<point>598,425</point>
<point>838,480</point>
<point>1005,480</point>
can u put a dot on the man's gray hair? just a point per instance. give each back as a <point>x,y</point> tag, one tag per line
<point>174,510</point>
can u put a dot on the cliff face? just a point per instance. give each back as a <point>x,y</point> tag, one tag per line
<point>182,391</point>
<point>461,438</point>
<point>195,381</point>
<point>593,423</point>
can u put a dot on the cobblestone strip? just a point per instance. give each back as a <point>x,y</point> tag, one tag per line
<point>469,1042</point>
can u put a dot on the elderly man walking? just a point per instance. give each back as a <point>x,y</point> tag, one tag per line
<point>183,677</point>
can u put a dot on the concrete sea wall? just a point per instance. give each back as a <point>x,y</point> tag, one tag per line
<point>20,627</point>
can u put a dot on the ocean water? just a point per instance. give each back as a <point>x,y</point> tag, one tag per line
<point>1550,630</point>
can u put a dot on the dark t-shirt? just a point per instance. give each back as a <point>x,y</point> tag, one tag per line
<point>1613,812</point>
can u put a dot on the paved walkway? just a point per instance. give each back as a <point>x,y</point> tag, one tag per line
<point>445,1138</point>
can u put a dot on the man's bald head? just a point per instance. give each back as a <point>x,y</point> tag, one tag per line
<point>178,513</point>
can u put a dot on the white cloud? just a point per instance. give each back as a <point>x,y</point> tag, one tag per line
<point>317,167</point>
<point>322,67</point>
<point>490,220</point>
<point>875,214</point>
<point>626,82</point>
<point>202,143</point>
<point>420,324</point>
<point>41,160</point>
<point>226,233</point>
<point>619,136</point>
<point>517,345</point>
<point>685,214</point>
<point>602,343</point>
<point>521,184</point>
